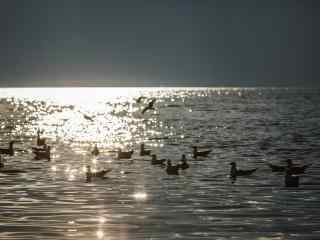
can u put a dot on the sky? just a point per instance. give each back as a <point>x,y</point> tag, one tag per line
<point>160,43</point>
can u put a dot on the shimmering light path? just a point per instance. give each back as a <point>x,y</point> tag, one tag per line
<point>139,201</point>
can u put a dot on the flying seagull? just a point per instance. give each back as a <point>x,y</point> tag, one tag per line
<point>150,106</point>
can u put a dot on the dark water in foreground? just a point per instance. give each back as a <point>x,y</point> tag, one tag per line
<point>139,201</point>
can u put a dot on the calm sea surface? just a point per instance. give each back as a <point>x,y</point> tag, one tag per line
<point>140,201</point>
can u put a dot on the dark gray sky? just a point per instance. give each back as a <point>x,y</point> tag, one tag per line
<point>159,43</point>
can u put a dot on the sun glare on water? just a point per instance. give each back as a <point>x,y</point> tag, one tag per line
<point>102,115</point>
<point>140,196</point>
<point>112,118</point>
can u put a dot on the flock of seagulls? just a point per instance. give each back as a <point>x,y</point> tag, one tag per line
<point>291,171</point>
<point>43,152</point>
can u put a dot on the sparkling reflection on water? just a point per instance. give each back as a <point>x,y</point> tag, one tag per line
<point>139,201</point>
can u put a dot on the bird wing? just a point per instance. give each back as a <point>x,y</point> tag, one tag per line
<point>152,102</point>
<point>145,109</point>
<point>88,118</point>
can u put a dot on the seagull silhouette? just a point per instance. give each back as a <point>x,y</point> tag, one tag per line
<point>88,117</point>
<point>150,106</point>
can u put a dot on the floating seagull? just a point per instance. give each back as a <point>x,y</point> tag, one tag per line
<point>143,151</point>
<point>155,161</point>
<point>124,155</point>
<point>150,106</point>
<point>291,167</point>
<point>172,170</point>
<point>296,169</point>
<point>95,150</point>
<point>234,172</point>
<point>184,164</point>
<point>100,174</point>
<point>197,153</point>
<point>43,154</point>
<point>8,151</point>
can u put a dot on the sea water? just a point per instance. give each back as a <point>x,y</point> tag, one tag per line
<point>137,200</point>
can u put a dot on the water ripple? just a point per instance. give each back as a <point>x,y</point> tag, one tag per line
<point>139,201</point>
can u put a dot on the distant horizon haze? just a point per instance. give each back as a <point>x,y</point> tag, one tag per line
<point>79,43</point>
